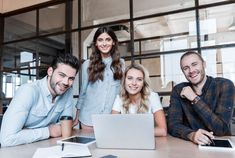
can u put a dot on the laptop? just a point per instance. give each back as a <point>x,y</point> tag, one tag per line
<point>124,131</point>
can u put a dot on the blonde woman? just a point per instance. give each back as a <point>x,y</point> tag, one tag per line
<point>137,97</point>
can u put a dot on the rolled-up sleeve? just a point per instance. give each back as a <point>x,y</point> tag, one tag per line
<point>12,129</point>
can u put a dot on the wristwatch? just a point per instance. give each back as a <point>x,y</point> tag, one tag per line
<point>66,118</point>
<point>195,100</point>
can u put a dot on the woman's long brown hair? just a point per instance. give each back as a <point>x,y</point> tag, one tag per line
<point>96,67</point>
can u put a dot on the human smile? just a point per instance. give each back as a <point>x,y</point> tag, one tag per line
<point>62,87</point>
<point>105,47</point>
<point>194,75</point>
<point>133,88</point>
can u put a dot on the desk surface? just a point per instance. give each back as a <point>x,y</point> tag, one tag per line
<point>166,147</point>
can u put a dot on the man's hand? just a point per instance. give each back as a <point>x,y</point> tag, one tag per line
<point>201,137</point>
<point>55,130</point>
<point>187,92</point>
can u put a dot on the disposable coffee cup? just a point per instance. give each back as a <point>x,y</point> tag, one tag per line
<point>66,126</point>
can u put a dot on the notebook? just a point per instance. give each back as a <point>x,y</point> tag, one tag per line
<point>124,131</point>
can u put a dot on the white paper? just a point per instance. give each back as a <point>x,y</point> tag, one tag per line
<point>56,151</point>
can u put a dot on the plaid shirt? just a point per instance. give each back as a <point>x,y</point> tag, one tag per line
<point>212,112</point>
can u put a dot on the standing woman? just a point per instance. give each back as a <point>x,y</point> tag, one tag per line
<point>101,76</point>
<point>137,97</point>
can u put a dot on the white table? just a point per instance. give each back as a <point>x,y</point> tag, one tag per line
<point>166,147</point>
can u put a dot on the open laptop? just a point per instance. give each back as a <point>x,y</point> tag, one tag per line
<point>124,131</point>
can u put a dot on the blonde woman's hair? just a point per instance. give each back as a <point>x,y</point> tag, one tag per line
<point>145,91</point>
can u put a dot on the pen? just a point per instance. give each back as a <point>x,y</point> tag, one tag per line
<point>62,146</point>
<point>212,141</point>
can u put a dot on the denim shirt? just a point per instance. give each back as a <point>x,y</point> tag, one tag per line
<point>97,97</point>
<point>31,112</point>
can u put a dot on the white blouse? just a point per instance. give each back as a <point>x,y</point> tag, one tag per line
<point>154,104</point>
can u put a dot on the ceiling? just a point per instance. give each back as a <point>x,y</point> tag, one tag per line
<point>7,5</point>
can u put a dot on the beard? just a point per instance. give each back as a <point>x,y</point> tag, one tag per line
<point>57,87</point>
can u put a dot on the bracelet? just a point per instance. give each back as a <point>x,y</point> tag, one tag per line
<point>195,100</point>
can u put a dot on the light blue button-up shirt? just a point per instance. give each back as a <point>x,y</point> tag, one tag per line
<point>31,112</point>
<point>98,97</point>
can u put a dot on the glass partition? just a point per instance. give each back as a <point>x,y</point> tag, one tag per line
<point>162,30</point>
<point>24,62</point>
<point>20,26</point>
<point>52,19</point>
<point>102,11</point>
<point>148,7</point>
<point>201,2</point>
<point>19,55</point>
<point>165,33</point>
<point>220,62</point>
<point>165,73</point>
<point>217,25</point>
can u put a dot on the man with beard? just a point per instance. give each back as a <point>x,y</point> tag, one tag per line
<point>36,107</point>
<point>201,107</point>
